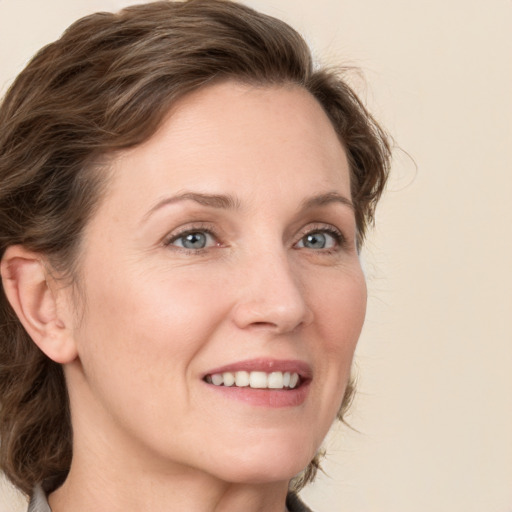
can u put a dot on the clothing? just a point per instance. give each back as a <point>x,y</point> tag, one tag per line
<point>39,503</point>
<point>294,504</point>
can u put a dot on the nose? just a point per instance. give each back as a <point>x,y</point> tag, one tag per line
<point>271,294</point>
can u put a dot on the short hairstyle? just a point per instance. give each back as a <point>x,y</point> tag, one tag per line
<point>105,85</point>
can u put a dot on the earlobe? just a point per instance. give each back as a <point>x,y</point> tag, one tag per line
<point>35,302</point>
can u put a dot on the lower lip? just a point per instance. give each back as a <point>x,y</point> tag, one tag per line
<point>273,398</point>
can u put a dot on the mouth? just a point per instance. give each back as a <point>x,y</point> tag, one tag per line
<point>256,379</point>
<point>262,382</point>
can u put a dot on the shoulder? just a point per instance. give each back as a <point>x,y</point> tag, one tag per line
<point>294,504</point>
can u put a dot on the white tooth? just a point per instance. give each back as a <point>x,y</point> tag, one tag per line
<point>242,379</point>
<point>258,380</point>
<point>286,379</point>
<point>217,379</point>
<point>275,380</point>
<point>294,378</point>
<point>229,378</point>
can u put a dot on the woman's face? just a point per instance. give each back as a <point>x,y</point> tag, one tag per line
<point>224,250</point>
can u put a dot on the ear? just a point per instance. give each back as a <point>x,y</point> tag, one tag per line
<point>35,297</point>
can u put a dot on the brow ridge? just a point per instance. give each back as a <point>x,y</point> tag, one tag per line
<point>229,202</point>
<point>222,201</point>
<point>325,199</point>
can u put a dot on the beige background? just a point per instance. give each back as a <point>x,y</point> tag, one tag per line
<point>434,413</point>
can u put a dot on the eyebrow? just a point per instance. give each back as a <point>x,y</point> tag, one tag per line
<point>225,202</point>
<point>325,199</point>
<point>228,202</point>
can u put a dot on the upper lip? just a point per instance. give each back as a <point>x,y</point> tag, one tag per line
<point>266,365</point>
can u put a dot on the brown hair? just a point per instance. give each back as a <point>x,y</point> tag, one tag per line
<point>107,84</point>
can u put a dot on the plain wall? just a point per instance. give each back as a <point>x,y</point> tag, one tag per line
<point>434,410</point>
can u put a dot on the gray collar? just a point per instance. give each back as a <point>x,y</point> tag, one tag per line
<point>38,502</point>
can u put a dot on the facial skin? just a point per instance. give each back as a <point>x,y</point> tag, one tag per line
<point>158,317</point>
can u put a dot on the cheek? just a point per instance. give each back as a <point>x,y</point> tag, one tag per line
<point>138,342</point>
<point>341,311</point>
<point>146,321</point>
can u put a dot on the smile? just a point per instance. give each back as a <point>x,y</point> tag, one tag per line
<point>262,382</point>
<point>255,379</point>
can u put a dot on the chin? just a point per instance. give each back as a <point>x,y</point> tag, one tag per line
<point>275,464</point>
<point>270,472</point>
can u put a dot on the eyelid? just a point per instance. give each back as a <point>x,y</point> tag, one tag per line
<point>185,230</point>
<point>338,235</point>
<point>333,231</point>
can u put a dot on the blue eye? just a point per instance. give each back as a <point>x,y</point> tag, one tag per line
<point>193,240</point>
<point>319,240</point>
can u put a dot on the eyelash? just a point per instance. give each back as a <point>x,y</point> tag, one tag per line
<point>337,235</point>
<point>200,228</point>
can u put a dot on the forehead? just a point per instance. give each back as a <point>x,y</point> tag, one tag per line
<point>232,137</point>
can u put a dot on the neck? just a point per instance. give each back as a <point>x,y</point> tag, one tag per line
<point>105,478</point>
<point>167,495</point>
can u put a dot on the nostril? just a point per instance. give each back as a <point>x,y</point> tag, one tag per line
<point>277,327</point>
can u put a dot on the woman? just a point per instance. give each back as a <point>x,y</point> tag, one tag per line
<point>183,200</point>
